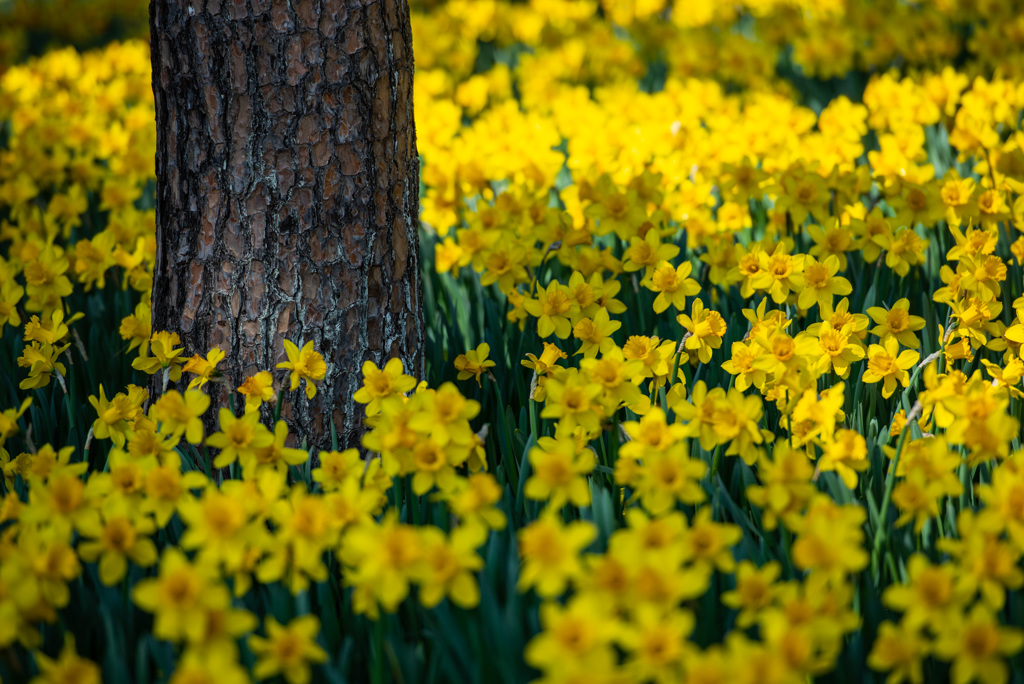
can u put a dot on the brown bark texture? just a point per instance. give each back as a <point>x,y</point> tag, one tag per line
<point>287,192</point>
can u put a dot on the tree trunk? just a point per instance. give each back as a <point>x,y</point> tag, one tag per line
<point>287,191</point>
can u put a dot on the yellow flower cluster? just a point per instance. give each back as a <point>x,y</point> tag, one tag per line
<point>27,23</point>
<point>700,267</point>
<point>629,600</point>
<point>257,528</point>
<point>694,164</point>
<point>78,157</point>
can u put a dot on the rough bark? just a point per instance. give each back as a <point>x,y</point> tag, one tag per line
<point>287,191</point>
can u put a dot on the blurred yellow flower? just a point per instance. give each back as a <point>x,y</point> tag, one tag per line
<point>550,552</point>
<point>257,389</point>
<point>67,667</point>
<point>239,438</point>
<point>180,596</point>
<point>288,650</point>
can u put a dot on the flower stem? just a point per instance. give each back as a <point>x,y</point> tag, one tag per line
<point>378,649</point>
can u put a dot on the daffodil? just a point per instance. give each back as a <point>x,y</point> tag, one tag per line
<point>615,375</point>
<point>10,295</point>
<point>67,667</point>
<point>706,329</point>
<point>887,364</point>
<point>821,283</point>
<point>444,414</point>
<point>51,329</point>
<point>550,552</point>
<point>978,645</point>
<point>573,633</point>
<point>594,334</point>
<point>956,194</point>
<point>216,524</point>
<point>432,466</point>
<point>203,369</point>
<point>837,350</point>
<point>931,596</point>
<point>474,363</point>
<point>303,364</point>
<point>553,308</point>
<point>121,538</point>
<point>449,566</point>
<point>449,257</point>
<point>707,542</point>
<point>755,590</point>
<point>551,355</point>
<point>336,467</point>
<point>274,455</point>
<point>741,365</point>
<point>475,501</point>
<point>896,322</point>
<point>559,472</point>
<point>213,665</point>
<point>380,384</point>
<point>900,650</point>
<point>673,285</point>
<point>847,455</point>
<point>63,501</point>
<point>257,389</point>
<point>181,415</point>
<point>664,478</point>
<point>46,280</point>
<point>658,645</point>
<point>830,539</point>
<point>990,563</point>
<point>165,357</point>
<point>383,559</point>
<point>137,330</point>
<point>305,531</point>
<point>288,650</point>
<point>41,361</point>
<point>780,273</point>
<point>239,438</point>
<point>9,420</point>
<point>179,596</point>
<point>166,487</point>
<point>804,194</point>
<point>644,253</point>
<point>903,250</point>
<point>571,398</point>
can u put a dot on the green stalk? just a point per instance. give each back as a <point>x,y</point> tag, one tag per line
<point>67,398</point>
<point>675,362</point>
<point>965,481</point>
<point>715,459</point>
<point>639,306</point>
<point>533,412</point>
<point>881,534</point>
<point>613,455</point>
<point>786,537</point>
<point>206,461</point>
<point>411,501</point>
<point>856,402</point>
<point>377,673</point>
